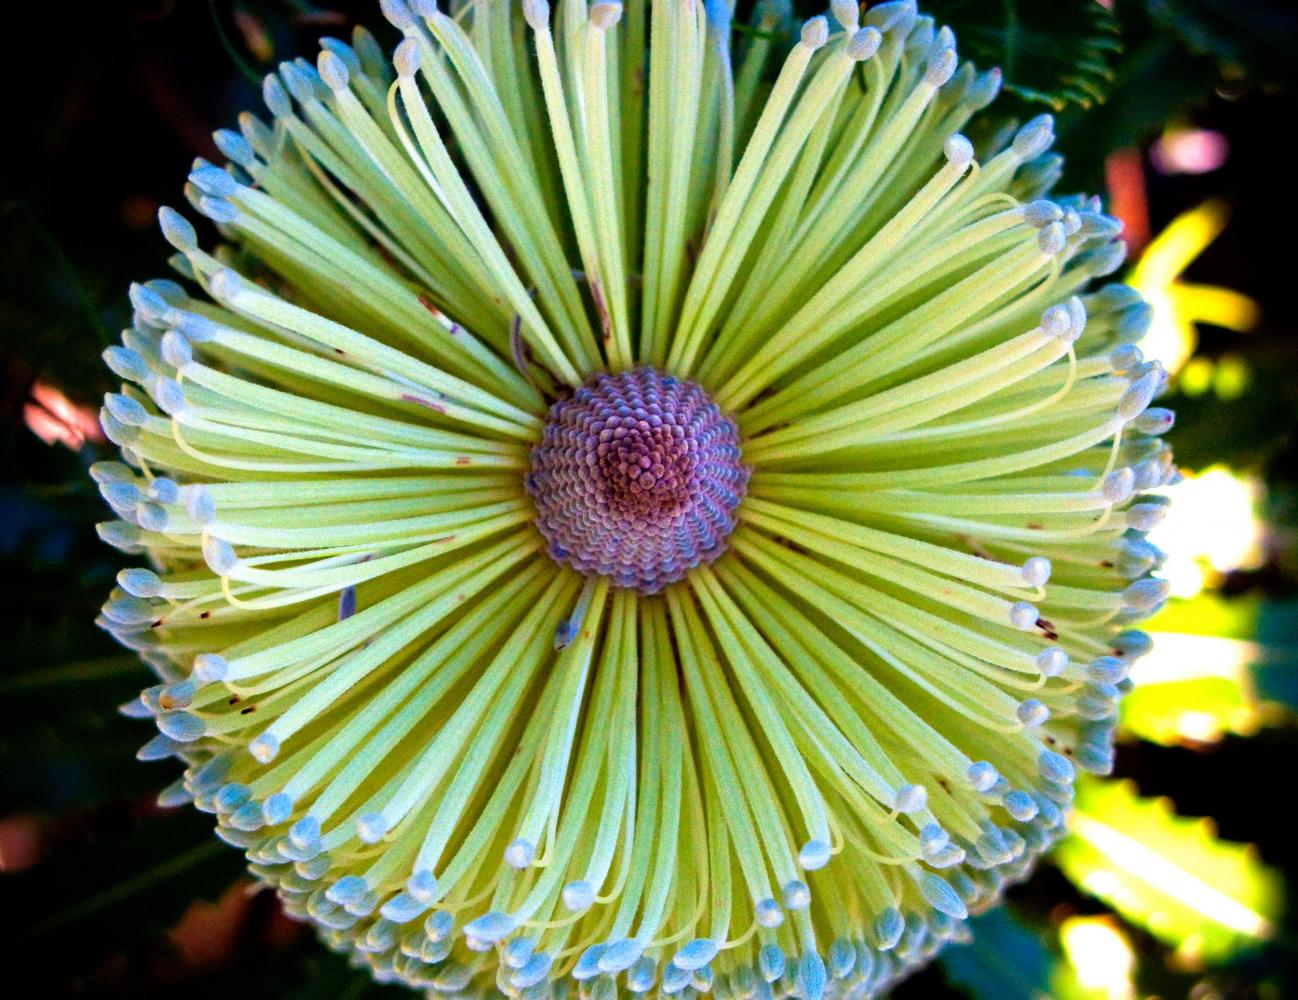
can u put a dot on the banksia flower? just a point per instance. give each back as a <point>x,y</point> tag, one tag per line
<point>623,517</point>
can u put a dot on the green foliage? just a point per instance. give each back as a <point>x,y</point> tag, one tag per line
<point>1057,54</point>
<point>1168,874</point>
<point>1203,707</point>
<point>1008,958</point>
<point>1209,614</point>
<point>1252,39</point>
<point>1214,671</point>
<point>1276,675</point>
<point>1245,431</point>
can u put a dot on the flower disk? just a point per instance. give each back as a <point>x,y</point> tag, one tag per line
<point>549,699</point>
<point>637,478</point>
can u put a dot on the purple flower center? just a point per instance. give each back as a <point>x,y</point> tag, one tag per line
<point>637,478</point>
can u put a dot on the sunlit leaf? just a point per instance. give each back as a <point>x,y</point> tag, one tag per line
<point>1202,710</point>
<point>1100,956</point>
<point>1168,874</point>
<point>1209,614</point>
<point>1220,665</point>
<point>1197,688</point>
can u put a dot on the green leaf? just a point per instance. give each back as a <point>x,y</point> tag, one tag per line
<point>1201,709</point>
<point>1219,666</point>
<point>1209,614</point>
<point>1276,675</point>
<point>1249,431</point>
<point>1008,958</point>
<point>1198,688</point>
<point>1253,38</point>
<point>1056,54</point>
<point>1157,80</point>
<point>1168,874</point>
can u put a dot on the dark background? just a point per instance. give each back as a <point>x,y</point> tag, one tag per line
<point>102,893</point>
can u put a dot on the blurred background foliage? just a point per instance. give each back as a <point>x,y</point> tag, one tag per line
<point>1179,879</point>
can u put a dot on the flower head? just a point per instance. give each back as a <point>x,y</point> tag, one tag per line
<point>622,518</point>
<point>636,478</point>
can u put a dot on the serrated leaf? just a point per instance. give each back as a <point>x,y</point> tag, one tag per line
<point>1156,81</point>
<point>1168,874</point>
<point>1055,54</point>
